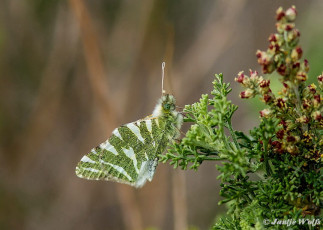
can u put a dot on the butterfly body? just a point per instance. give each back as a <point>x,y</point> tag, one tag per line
<point>130,154</point>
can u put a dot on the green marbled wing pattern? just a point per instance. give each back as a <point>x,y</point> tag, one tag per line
<point>130,155</point>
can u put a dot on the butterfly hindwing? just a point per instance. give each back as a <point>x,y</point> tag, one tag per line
<point>129,155</point>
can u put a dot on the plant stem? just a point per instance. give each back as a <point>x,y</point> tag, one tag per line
<point>234,138</point>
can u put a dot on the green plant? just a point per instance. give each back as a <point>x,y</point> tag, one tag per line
<point>284,152</point>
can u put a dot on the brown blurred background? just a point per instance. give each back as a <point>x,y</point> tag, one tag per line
<point>71,71</point>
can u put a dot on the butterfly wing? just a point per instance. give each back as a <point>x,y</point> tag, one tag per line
<point>129,156</point>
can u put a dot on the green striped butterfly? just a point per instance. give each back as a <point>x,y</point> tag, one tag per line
<point>129,156</point>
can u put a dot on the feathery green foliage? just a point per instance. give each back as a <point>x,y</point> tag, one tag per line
<point>275,171</point>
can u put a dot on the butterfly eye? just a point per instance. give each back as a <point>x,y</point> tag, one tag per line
<point>166,106</point>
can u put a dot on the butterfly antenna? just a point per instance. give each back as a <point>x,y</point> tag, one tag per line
<point>163,75</point>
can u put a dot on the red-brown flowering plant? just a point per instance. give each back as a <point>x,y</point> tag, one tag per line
<point>298,106</point>
<point>283,154</point>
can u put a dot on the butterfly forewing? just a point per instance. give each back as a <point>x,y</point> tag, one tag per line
<point>129,155</point>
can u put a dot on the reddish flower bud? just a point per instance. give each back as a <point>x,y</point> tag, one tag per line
<point>320,78</point>
<point>263,60</point>
<point>303,119</point>
<point>297,33</point>
<point>267,98</point>
<point>247,94</point>
<point>301,76</point>
<point>272,38</point>
<point>278,146</point>
<point>297,53</point>
<point>276,143</point>
<point>292,35</point>
<point>312,88</point>
<point>259,54</point>
<point>282,70</point>
<point>280,103</point>
<point>317,98</point>
<point>291,14</point>
<point>273,48</point>
<point>265,112</point>
<point>296,66</point>
<point>240,77</point>
<point>280,134</point>
<point>277,47</point>
<point>317,115</point>
<point>306,65</point>
<point>289,27</point>
<point>264,83</point>
<point>282,122</point>
<point>316,101</point>
<point>280,13</point>
<point>290,139</point>
<point>253,74</point>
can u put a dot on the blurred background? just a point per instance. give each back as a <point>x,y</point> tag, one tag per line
<point>72,71</point>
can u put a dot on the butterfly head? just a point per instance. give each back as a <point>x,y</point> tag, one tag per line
<point>166,105</point>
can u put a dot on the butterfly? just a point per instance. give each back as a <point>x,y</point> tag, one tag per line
<point>129,156</point>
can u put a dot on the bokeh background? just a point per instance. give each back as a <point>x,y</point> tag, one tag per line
<point>71,71</point>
